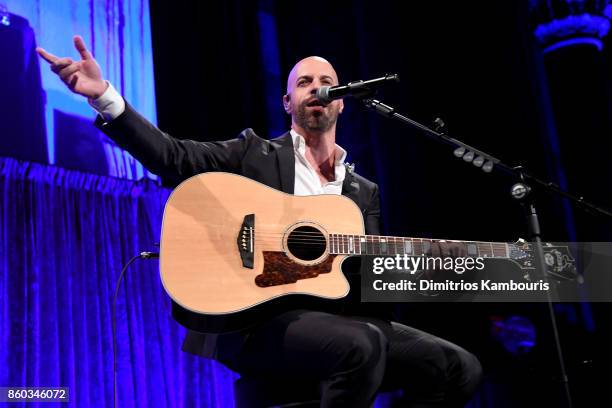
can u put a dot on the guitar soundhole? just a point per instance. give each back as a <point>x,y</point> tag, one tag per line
<point>306,243</point>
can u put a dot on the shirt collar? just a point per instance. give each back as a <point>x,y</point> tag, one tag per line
<point>299,144</point>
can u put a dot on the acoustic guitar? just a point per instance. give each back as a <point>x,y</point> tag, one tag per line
<point>231,246</point>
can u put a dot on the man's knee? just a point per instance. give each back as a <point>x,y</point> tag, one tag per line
<point>451,370</point>
<point>364,347</point>
<point>465,375</point>
<point>471,374</point>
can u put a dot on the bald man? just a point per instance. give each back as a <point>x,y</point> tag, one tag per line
<point>350,352</point>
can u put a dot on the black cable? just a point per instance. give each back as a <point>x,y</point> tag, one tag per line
<point>143,255</point>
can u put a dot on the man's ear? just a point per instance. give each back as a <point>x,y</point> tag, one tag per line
<point>286,103</point>
<point>341,106</point>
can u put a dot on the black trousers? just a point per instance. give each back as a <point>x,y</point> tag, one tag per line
<point>354,357</point>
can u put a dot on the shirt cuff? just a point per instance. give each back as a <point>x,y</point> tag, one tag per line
<point>110,104</point>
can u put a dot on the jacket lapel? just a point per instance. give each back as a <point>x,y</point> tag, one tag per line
<point>286,161</point>
<point>350,187</point>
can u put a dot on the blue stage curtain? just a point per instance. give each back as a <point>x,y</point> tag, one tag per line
<point>65,237</point>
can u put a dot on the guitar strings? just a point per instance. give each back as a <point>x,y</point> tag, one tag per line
<point>317,238</point>
<point>347,237</point>
<point>389,239</point>
<point>378,236</point>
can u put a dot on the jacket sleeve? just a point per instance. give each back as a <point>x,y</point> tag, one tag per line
<point>372,213</point>
<point>170,158</point>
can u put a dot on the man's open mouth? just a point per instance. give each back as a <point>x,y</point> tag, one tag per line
<point>315,102</point>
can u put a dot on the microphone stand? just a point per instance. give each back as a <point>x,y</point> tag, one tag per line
<point>519,191</point>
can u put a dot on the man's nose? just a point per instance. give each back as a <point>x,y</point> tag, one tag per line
<point>315,85</point>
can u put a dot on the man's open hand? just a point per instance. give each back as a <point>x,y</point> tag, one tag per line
<point>83,77</point>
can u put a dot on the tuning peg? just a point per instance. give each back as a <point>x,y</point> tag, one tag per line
<point>488,166</point>
<point>459,152</point>
<point>468,156</point>
<point>478,161</point>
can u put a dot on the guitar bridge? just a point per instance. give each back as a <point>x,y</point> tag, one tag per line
<point>246,240</point>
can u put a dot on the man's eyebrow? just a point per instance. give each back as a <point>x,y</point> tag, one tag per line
<point>325,76</point>
<point>303,77</point>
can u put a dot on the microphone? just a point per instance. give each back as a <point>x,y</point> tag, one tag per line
<point>357,89</point>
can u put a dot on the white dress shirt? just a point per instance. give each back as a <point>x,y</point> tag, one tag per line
<point>307,181</point>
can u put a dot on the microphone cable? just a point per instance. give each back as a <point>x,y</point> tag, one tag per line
<point>142,255</point>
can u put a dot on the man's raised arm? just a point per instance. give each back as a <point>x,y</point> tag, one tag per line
<point>160,153</point>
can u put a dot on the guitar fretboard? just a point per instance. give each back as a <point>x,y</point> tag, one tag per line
<point>391,246</point>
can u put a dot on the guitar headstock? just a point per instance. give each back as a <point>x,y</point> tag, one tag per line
<point>559,261</point>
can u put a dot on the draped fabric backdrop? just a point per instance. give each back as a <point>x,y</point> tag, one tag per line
<point>65,237</point>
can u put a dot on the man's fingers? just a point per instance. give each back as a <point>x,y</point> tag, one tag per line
<point>69,70</point>
<point>72,82</point>
<point>47,56</point>
<point>60,64</point>
<point>81,48</point>
<point>79,45</point>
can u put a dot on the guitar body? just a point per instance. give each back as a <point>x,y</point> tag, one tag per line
<point>234,251</point>
<point>230,245</point>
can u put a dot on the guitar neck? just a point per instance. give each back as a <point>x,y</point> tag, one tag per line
<point>343,244</point>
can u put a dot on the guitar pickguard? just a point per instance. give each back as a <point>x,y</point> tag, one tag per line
<point>279,269</point>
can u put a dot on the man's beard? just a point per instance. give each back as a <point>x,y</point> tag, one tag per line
<point>316,121</point>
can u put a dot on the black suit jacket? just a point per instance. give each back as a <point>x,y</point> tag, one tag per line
<point>271,162</point>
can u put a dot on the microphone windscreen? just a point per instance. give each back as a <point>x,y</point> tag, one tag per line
<point>323,94</point>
